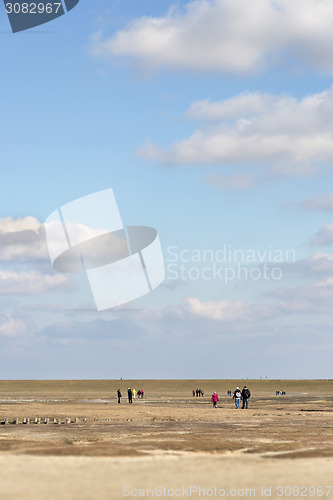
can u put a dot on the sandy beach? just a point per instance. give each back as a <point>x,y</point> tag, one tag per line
<point>167,444</point>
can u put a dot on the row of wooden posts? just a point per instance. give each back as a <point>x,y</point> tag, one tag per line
<point>38,420</point>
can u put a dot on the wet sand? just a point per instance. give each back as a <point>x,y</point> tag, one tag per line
<point>167,441</point>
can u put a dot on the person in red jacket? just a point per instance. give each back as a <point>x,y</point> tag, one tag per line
<point>214,399</point>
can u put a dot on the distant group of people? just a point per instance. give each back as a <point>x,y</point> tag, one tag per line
<point>131,393</point>
<point>238,395</point>
<point>198,393</point>
<point>280,393</point>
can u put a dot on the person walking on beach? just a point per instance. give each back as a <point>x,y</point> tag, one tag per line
<point>245,395</point>
<point>119,395</point>
<point>130,395</point>
<point>237,397</point>
<point>193,392</point>
<point>134,393</point>
<point>214,399</point>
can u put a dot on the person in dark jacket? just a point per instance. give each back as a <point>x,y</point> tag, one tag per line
<point>119,395</point>
<point>245,396</point>
<point>130,395</point>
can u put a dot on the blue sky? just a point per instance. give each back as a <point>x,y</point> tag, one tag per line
<point>212,122</point>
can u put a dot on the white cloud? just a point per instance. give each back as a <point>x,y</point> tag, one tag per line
<point>323,201</point>
<point>22,239</point>
<point>327,282</point>
<point>242,105</point>
<point>10,327</point>
<point>225,311</point>
<point>315,298</point>
<point>279,135</point>
<point>233,36</point>
<point>10,225</point>
<point>313,266</point>
<point>324,236</point>
<point>32,282</point>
